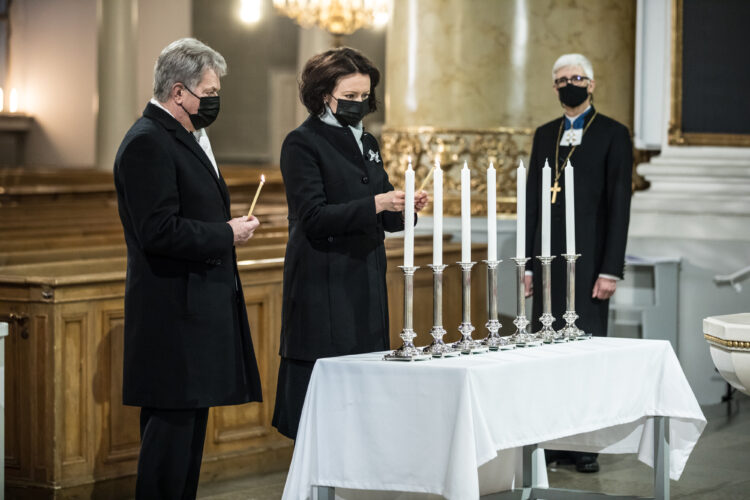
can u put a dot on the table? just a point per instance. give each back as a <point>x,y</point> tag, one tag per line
<point>428,426</point>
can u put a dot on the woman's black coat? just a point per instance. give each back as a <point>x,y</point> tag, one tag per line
<point>335,299</point>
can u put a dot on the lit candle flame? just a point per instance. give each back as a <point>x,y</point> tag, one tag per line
<point>257,193</point>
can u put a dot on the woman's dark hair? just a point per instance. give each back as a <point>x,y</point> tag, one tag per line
<point>322,72</point>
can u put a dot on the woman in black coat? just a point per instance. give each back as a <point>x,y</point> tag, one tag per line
<point>340,205</point>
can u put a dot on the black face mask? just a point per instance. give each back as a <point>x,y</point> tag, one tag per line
<point>208,110</point>
<point>351,112</point>
<point>572,95</point>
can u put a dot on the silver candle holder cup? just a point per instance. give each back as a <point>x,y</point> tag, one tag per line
<point>467,344</point>
<point>547,334</point>
<point>493,340</point>
<point>438,348</point>
<point>408,352</point>
<point>522,337</point>
<point>570,331</point>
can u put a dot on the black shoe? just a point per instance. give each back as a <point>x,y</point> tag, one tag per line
<point>587,463</point>
<point>559,456</point>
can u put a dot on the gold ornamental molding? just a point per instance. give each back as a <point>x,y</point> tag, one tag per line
<point>675,134</point>
<point>729,344</point>
<point>503,146</point>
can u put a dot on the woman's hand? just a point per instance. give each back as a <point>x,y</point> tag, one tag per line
<point>392,201</point>
<point>420,200</point>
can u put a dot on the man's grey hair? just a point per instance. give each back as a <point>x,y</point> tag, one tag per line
<point>184,61</point>
<point>566,60</point>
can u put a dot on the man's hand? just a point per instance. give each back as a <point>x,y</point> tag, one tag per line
<point>528,285</point>
<point>243,228</point>
<point>604,288</point>
<point>392,201</point>
<point>420,200</point>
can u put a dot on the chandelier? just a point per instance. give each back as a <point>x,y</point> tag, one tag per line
<point>338,17</point>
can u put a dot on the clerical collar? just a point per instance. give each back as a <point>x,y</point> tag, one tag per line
<point>576,121</point>
<point>328,118</point>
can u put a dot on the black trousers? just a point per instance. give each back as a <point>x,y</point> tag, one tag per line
<point>169,463</point>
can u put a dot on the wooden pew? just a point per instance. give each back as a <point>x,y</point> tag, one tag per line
<point>23,186</point>
<point>68,435</point>
<point>79,250</point>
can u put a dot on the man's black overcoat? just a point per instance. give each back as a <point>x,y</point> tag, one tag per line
<point>335,299</point>
<point>187,339</point>
<point>602,164</point>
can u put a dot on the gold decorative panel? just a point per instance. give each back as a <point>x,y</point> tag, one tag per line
<point>503,146</point>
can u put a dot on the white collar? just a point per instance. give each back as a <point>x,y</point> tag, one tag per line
<point>160,105</point>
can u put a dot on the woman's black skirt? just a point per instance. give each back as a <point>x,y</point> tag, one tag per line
<point>294,377</point>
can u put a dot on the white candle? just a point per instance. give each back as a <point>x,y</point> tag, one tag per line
<point>13,101</point>
<point>521,211</point>
<point>437,216</point>
<point>570,211</point>
<point>546,193</point>
<point>409,218</point>
<point>465,214</point>
<point>491,213</point>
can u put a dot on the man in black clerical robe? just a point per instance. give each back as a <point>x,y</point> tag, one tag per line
<point>600,150</point>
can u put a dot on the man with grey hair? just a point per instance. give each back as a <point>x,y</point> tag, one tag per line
<point>600,150</point>
<point>187,339</point>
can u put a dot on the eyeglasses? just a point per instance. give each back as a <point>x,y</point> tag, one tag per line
<point>577,80</point>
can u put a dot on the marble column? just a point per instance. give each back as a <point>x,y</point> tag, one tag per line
<point>470,80</point>
<point>116,76</point>
<point>312,41</point>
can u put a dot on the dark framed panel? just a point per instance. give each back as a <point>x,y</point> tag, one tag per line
<point>710,73</point>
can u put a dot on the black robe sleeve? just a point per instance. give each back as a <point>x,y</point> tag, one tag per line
<point>619,175</point>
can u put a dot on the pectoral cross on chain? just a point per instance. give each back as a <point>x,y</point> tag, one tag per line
<point>555,189</point>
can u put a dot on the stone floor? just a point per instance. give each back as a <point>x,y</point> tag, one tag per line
<point>719,467</point>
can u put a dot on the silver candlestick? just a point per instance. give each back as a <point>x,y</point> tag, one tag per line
<point>407,352</point>
<point>522,337</point>
<point>547,334</point>
<point>570,331</point>
<point>467,345</point>
<point>493,341</point>
<point>438,348</point>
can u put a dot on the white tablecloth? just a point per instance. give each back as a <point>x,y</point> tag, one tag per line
<point>428,426</point>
